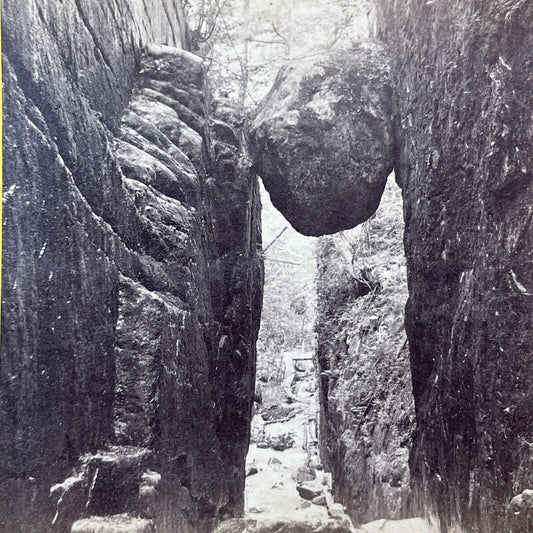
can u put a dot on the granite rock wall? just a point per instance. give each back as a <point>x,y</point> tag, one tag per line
<point>463,89</point>
<point>131,275</point>
<point>366,399</point>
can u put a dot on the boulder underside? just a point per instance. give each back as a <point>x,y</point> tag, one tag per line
<point>322,139</point>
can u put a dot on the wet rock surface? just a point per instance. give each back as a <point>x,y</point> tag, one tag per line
<point>366,400</point>
<point>291,490</point>
<point>280,493</point>
<point>462,78</point>
<point>322,141</point>
<point>131,279</point>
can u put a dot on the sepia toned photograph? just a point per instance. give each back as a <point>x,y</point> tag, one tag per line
<point>266,266</point>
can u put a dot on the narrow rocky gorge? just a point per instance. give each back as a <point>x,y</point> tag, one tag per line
<point>132,269</point>
<point>455,105</point>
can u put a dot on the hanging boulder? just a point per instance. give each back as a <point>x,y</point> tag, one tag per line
<point>322,139</point>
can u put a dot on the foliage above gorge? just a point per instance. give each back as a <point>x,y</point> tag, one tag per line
<point>245,42</point>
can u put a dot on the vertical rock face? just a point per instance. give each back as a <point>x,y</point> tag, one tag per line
<point>131,279</point>
<point>366,400</point>
<point>463,82</point>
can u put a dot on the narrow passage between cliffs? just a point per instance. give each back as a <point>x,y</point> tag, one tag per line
<point>287,486</point>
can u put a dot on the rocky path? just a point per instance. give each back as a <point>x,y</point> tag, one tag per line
<point>287,491</point>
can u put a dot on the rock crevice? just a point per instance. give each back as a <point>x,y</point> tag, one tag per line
<point>452,116</point>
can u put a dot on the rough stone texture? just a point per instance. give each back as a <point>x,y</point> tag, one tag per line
<point>112,524</point>
<point>366,400</point>
<point>462,91</point>
<point>462,75</point>
<point>104,484</point>
<point>283,526</point>
<point>322,139</point>
<point>131,279</point>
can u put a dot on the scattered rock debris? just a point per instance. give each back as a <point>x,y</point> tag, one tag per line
<point>291,492</point>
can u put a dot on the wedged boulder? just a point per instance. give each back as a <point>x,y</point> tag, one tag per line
<point>523,502</point>
<point>322,141</point>
<point>319,500</point>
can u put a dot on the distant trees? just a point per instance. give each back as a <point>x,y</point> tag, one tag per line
<point>245,42</point>
<point>202,19</point>
<point>289,304</point>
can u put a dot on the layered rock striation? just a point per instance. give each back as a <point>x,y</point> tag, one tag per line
<point>131,275</point>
